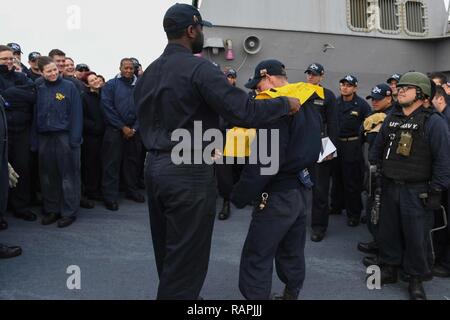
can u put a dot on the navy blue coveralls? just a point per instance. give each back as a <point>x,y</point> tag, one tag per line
<point>58,125</point>
<point>279,230</point>
<point>19,93</point>
<point>441,238</point>
<point>176,90</point>
<point>321,172</point>
<point>227,174</point>
<point>4,179</point>
<point>348,173</point>
<point>369,138</point>
<point>403,231</point>
<point>91,151</point>
<point>120,111</point>
<point>78,84</point>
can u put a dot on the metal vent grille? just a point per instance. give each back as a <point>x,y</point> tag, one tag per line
<point>358,14</point>
<point>389,15</point>
<point>415,17</point>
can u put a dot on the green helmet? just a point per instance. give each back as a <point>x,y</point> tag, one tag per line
<point>416,79</point>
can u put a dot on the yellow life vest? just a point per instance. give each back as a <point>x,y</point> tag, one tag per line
<point>239,140</point>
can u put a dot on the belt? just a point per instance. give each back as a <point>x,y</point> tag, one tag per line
<point>400,182</point>
<point>349,139</point>
<point>165,152</point>
<point>19,109</point>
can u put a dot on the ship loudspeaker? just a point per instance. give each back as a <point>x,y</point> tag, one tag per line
<point>252,45</point>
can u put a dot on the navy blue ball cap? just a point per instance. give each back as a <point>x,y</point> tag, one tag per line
<point>231,73</point>
<point>267,67</point>
<point>316,69</point>
<point>82,67</point>
<point>181,15</point>
<point>350,79</point>
<point>136,62</point>
<point>33,56</point>
<point>215,64</point>
<point>15,47</point>
<point>395,77</point>
<point>380,92</point>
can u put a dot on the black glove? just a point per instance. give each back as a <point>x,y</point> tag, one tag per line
<point>433,200</point>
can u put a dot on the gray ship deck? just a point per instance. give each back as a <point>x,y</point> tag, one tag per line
<point>114,252</point>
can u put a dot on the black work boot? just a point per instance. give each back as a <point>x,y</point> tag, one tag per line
<point>225,213</point>
<point>7,252</point>
<point>370,261</point>
<point>389,274</point>
<point>3,224</point>
<point>406,277</point>
<point>334,211</point>
<point>352,221</point>
<point>440,271</point>
<point>27,215</point>
<point>368,247</point>
<point>50,218</point>
<point>86,203</point>
<point>317,235</point>
<point>287,295</point>
<point>416,291</point>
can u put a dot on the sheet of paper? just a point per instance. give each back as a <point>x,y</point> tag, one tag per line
<point>328,148</point>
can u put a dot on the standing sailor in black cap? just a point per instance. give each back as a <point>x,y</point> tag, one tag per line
<point>138,72</point>
<point>19,94</point>
<point>321,172</point>
<point>17,51</point>
<point>441,239</point>
<point>4,186</point>
<point>231,75</point>
<point>348,174</point>
<point>392,81</point>
<point>227,174</point>
<point>382,101</point>
<point>81,70</point>
<point>176,90</point>
<point>5,251</point>
<point>277,231</point>
<point>34,69</point>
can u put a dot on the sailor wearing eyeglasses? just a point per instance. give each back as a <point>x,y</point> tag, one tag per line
<point>412,151</point>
